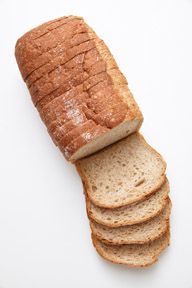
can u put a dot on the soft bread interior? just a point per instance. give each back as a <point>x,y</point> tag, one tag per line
<point>121,131</point>
<point>124,173</point>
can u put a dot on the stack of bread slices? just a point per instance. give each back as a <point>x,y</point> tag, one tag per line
<point>85,103</point>
<point>127,201</point>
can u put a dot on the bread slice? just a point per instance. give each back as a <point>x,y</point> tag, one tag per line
<point>134,234</point>
<point>130,214</point>
<point>56,58</point>
<point>124,173</point>
<point>133,255</point>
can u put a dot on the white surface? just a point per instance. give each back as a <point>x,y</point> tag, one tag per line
<point>44,233</point>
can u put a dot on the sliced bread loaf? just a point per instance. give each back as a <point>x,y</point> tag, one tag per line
<point>124,173</point>
<point>134,234</point>
<point>64,60</point>
<point>130,214</point>
<point>133,255</point>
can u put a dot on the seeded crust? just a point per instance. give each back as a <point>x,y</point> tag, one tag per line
<point>141,172</point>
<point>130,214</point>
<point>134,234</point>
<point>133,255</point>
<point>68,68</point>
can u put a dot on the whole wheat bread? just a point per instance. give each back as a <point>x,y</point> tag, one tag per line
<point>134,234</point>
<point>77,87</point>
<point>124,173</point>
<point>86,105</point>
<point>133,255</point>
<point>130,214</point>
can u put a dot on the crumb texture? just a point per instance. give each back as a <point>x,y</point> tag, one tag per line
<point>123,173</point>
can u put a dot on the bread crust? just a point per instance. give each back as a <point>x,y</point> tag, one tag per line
<point>33,51</point>
<point>61,127</point>
<point>58,110</point>
<point>58,58</point>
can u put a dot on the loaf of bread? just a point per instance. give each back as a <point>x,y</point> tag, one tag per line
<point>86,105</point>
<point>77,87</point>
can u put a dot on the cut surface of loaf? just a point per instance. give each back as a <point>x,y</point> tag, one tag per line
<point>134,234</point>
<point>124,173</point>
<point>133,255</point>
<point>77,87</point>
<point>130,214</point>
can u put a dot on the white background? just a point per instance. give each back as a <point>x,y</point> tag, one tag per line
<point>44,232</point>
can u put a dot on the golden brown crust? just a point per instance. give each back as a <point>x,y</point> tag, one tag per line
<point>42,29</point>
<point>37,47</point>
<point>61,56</point>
